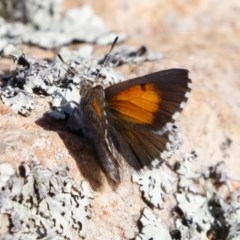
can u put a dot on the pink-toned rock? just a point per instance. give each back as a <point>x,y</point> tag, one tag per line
<point>202,36</point>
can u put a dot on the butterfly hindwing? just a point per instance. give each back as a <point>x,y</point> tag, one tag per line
<point>138,146</point>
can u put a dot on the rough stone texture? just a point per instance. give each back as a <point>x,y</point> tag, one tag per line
<point>202,36</point>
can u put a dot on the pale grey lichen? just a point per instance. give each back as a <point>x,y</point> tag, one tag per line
<point>194,219</point>
<point>46,24</point>
<point>155,184</point>
<point>232,215</point>
<point>225,207</point>
<point>45,204</point>
<point>187,176</point>
<point>28,11</point>
<point>202,206</point>
<point>16,99</point>
<point>62,82</point>
<point>6,171</point>
<point>189,231</point>
<point>196,210</point>
<point>152,227</point>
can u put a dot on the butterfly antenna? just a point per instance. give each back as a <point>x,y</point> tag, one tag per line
<point>106,59</point>
<point>62,60</point>
<point>60,57</point>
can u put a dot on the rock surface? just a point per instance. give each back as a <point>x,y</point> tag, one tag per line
<point>202,36</point>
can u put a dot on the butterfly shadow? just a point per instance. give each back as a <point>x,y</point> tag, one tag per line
<point>79,149</point>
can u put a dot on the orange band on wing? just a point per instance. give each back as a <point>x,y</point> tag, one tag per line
<point>137,104</point>
<point>97,108</point>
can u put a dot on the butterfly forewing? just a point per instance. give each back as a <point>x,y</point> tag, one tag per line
<point>139,108</point>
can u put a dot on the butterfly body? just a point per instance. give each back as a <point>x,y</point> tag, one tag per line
<point>128,118</point>
<point>94,127</point>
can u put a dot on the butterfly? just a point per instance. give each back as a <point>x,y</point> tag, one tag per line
<point>126,119</point>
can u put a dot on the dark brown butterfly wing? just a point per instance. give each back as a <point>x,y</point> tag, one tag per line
<point>138,109</point>
<point>89,119</point>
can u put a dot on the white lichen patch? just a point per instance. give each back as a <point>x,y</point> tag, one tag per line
<point>189,231</point>
<point>19,101</point>
<point>225,201</point>
<point>6,171</point>
<point>196,211</point>
<point>207,206</point>
<point>194,218</point>
<point>155,184</point>
<point>232,215</point>
<point>44,203</point>
<point>187,178</point>
<point>152,227</point>
<point>48,25</point>
<point>61,84</point>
